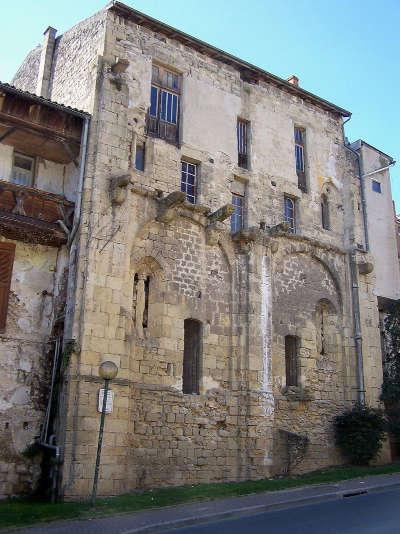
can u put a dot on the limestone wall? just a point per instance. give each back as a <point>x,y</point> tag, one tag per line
<point>248,291</point>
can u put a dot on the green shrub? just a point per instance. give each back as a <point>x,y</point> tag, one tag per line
<point>359,433</point>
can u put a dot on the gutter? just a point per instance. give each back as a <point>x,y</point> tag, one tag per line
<point>355,296</point>
<point>82,166</point>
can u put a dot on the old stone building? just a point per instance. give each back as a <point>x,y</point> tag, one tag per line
<point>221,262</point>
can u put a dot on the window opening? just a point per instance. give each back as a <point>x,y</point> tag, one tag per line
<point>23,169</point>
<point>146,302</point>
<point>243,142</point>
<point>189,180</point>
<point>291,360</point>
<point>191,357</point>
<point>299,148</point>
<point>237,215</point>
<point>163,116</point>
<point>376,186</point>
<point>289,213</point>
<point>140,156</point>
<point>325,212</point>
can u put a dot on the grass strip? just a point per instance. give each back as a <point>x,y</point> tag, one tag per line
<point>25,512</point>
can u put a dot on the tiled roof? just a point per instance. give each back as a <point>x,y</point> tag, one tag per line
<point>40,99</point>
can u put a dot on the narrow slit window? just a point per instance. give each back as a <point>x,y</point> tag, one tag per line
<point>145,321</point>
<point>290,213</point>
<point>291,360</point>
<point>325,212</point>
<point>7,251</point>
<point>189,173</point>
<point>140,157</point>
<point>191,357</point>
<point>243,143</point>
<point>299,150</point>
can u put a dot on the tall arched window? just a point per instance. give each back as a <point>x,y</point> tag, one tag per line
<point>191,356</point>
<point>325,212</point>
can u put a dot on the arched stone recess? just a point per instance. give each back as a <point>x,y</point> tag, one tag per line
<point>331,207</point>
<point>175,275</point>
<point>182,403</point>
<point>301,282</point>
<point>308,327</point>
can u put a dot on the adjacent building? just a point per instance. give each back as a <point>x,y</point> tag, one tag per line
<point>221,260</point>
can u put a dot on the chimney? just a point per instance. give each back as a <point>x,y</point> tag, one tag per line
<point>293,79</point>
<point>46,59</point>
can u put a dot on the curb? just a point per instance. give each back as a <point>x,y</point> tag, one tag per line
<point>165,526</point>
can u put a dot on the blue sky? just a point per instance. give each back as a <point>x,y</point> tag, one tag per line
<point>345,51</point>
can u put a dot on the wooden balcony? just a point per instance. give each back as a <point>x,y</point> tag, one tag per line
<point>31,215</point>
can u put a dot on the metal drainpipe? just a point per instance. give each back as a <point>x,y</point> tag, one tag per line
<point>354,285</point>
<point>82,164</point>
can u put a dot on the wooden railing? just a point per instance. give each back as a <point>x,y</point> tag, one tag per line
<point>33,215</point>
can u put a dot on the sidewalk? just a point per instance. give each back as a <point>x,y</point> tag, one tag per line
<point>163,519</point>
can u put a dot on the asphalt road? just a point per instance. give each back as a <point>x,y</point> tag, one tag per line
<point>377,513</point>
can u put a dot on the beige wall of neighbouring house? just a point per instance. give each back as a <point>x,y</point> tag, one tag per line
<point>381,224</point>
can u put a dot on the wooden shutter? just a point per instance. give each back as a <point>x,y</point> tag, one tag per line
<point>7,251</point>
<point>191,356</point>
<point>291,360</point>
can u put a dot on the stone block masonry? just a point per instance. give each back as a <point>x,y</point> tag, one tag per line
<point>146,266</point>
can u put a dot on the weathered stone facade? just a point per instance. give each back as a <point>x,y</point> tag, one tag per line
<point>248,290</point>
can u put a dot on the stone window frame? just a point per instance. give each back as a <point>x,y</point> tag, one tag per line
<point>197,183</point>
<point>325,212</point>
<point>239,189</point>
<point>292,221</point>
<point>165,81</point>
<point>376,186</point>
<point>192,357</point>
<point>243,137</point>
<point>300,156</point>
<point>292,360</point>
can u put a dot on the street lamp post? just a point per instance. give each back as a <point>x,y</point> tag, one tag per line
<point>107,371</point>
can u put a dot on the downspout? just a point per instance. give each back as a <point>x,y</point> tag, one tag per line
<point>355,298</point>
<point>84,143</point>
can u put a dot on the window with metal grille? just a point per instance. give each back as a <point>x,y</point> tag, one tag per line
<point>7,252</point>
<point>290,213</point>
<point>163,116</point>
<point>291,360</point>
<point>237,215</point>
<point>191,356</point>
<point>243,143</point>
<point>140,156</point>
<point>376,186</point>
<point>325,212</point>
<point>299,150</point>
<point>23,169</point>
<point>189,180</point>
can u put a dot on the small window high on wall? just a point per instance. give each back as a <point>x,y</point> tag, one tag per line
<point>291,360</point>
<point>299,151</point>
<point>191,356</point>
